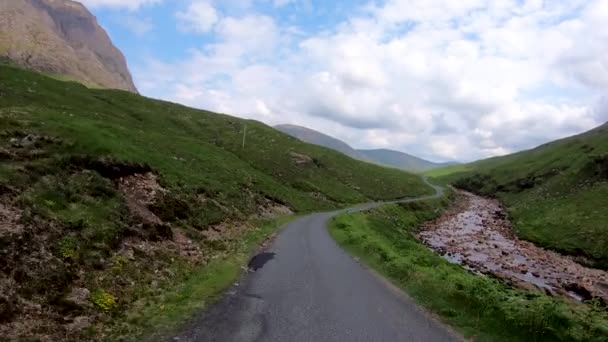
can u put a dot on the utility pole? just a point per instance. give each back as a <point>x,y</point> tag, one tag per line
<point>244,136</point>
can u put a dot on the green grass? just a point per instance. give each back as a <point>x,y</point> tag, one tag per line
<point>66,78</point>
<point>555,193</point>
<point>190,148</point>
<point>446,170</point>
<point>480,307</point>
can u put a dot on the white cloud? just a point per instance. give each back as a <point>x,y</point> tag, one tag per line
<point>138,26</point>
<point>251,34</point>
<point>200,16</point>
<point>119,4</point>
<point>442,79</point>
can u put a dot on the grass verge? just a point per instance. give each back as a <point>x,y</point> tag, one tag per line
<point>480,307</point>
<point>157,316</point>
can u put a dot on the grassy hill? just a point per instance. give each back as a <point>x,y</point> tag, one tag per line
<point>557,193</point>
<point>109,199</point>
<point>400,160</point>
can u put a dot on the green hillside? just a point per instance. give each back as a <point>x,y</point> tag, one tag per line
<point>192,148</point>
<point>557,193</point>
<point>95,245</point>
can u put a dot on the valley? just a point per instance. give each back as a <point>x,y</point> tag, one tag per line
<point>139,225</point>
<point>124,217</point>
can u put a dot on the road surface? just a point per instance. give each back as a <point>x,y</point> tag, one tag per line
<point>306,288</point>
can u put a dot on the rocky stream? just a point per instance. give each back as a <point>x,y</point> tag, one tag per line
<point>477,234</point>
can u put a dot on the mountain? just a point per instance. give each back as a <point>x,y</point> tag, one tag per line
<point>391,158</point>
<point>108,198</point>
<point>314,137</point>
<point>61,38</point>
<point>556,193</point>
<point>400,160</point>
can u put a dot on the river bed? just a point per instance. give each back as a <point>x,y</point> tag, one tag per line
<point>477,234</point>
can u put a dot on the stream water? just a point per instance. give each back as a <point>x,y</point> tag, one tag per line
<point>478,235</point>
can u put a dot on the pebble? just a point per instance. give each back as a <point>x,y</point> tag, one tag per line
<point>482,236</point>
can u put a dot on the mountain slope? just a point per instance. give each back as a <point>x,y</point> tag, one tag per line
<point>314,137</point>
<point>556,193</point>
<point>400,160</point>
<point>62,38</point>
<point>390,158</point>
<point>118,198</point>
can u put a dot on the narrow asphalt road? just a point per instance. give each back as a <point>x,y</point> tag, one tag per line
<point>306,288</point>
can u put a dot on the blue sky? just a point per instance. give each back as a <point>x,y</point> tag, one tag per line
<point>153,29</point>
<point>441,79</point>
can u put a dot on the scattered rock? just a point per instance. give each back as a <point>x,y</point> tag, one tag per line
<point>140,191</point>
<point>477,229</point>
<point>79,323</point>
<point>28,140</point>
<point>78,297</point>
<point>144,188</point>
<point>300,158</point>
<point>128,253</point>
<point>271,209</point>
<point>225,230</point>
<point>579,290</point>
<point>9,220</point>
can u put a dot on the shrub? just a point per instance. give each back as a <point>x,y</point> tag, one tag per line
<point>104,300</point>
<point>68,247</point>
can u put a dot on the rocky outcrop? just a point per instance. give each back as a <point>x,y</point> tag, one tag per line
<point>61,38</point>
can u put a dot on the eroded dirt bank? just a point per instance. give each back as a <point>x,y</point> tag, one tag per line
<point>477,234</point>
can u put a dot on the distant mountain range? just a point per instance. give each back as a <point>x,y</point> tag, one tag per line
<point>386,157</point>
<point>314,137</point>
<point>63,39</point>
<point>401,160</point>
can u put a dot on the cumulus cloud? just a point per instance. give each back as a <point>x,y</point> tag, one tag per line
<point>200,16</point>
<point>119,4</point>
<point>441,79</point>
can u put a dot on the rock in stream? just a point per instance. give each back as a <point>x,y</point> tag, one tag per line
<point>477,234</point>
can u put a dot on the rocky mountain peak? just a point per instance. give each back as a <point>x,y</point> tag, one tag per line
<point>61,37</point>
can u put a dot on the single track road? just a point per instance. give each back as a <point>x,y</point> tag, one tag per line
<point>304,287</point>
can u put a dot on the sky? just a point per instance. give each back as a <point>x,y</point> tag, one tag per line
<point>441,79</point>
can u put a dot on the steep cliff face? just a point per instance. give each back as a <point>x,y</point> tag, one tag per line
<point>61,37</point>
